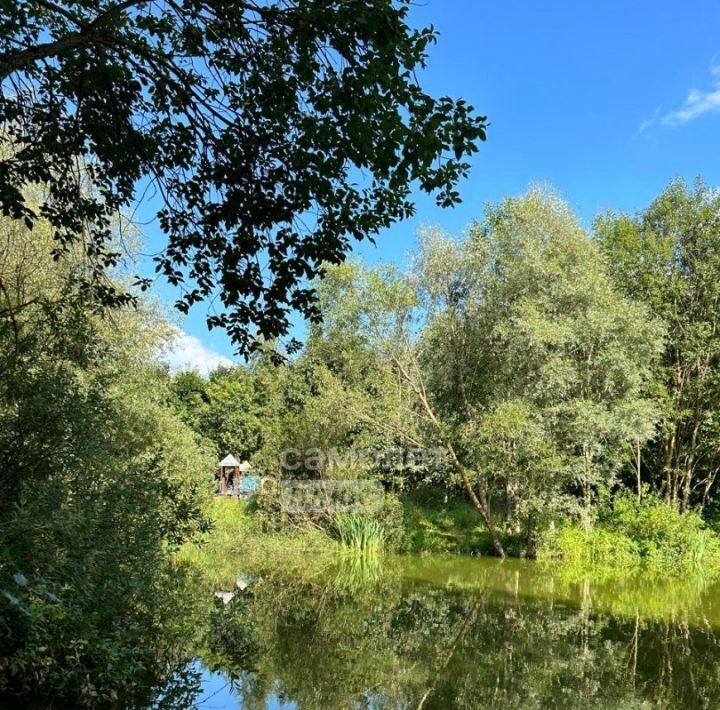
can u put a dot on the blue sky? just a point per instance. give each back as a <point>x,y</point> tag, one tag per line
<point>606,101</point>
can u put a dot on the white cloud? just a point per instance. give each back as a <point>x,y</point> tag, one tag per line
<point>649,123</point>
<point>697,103</point>
<point>186,352</point>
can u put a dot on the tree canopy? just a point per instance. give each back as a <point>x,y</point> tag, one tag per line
<point>667,256</point>
<point>100,483</point>
<point>511,350</point>
<point>272,134</point>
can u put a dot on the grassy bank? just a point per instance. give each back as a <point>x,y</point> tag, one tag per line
<point>637,534</point>
<point>631,536</point>
<point>238,535</point>
<point>420,527</point>
<point>434,527</point>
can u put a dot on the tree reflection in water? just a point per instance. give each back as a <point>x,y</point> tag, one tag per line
<point>453,632</point>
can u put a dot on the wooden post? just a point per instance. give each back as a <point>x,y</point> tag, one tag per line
<point>236,481</point>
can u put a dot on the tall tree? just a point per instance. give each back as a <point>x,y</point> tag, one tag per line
<point>100,482</point>
<point>534,358</point>
<point>380,307</point>
<point>272,133</point>
<point>232,417</point>
<point>669,257</point>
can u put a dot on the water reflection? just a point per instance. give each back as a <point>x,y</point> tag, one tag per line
<point>451,632</point>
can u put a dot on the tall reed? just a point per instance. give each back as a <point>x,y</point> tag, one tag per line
<point>359,534</point>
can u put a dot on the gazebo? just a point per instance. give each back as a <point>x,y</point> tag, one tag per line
<point>229,472</point>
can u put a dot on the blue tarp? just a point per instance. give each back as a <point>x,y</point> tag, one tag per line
<point>247,485</point>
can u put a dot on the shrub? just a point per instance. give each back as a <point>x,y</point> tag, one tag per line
<point>589,549</point>
<point>666,538</point>
<point>391,517</point>
<point>635,533</point>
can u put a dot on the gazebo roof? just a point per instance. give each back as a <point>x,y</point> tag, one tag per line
<point>230,460</point>
<point>245,466</point>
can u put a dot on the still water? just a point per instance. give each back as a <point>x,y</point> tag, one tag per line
<point>452,632</point>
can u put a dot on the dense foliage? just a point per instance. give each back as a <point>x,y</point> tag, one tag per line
<point>100,481</point>
<point>635,533</point>
<point>668,257</point>
<point>525,388</point>
<point>548,371</point>
<point>272,134</point>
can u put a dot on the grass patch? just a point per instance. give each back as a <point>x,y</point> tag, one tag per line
<point>436,527</point>
<point>238,540</point>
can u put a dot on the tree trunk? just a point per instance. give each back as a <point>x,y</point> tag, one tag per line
<point>531,544</point>
<point>690,467</point>
<point>482,506</point>
<point>480,502</point>
<point>586,489</point>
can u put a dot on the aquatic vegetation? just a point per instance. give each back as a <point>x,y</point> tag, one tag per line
<point>359,534</point>
<point>358,573</point>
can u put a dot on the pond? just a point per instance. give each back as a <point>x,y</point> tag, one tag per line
<point>453,632</point>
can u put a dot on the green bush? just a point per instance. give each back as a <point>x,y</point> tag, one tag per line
<point>590,549</point>
<point>390,515</point>
<point>666,538</point>
<point>638,533</point>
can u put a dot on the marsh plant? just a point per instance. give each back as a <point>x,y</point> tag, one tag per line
<point>358,573</point>
<point>359,534</point>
